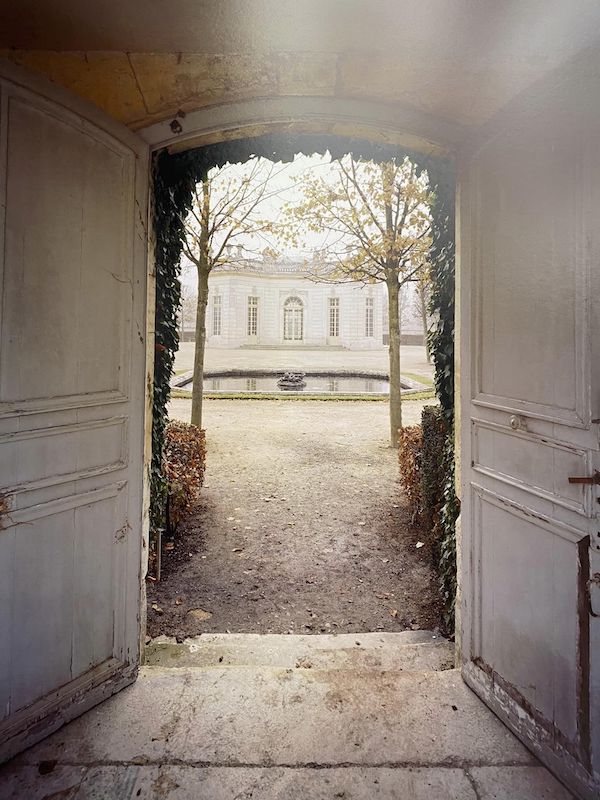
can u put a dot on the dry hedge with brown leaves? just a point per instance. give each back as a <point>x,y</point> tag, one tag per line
<point>409,455</point>
<point>184,459</point>
<point>422,467</point>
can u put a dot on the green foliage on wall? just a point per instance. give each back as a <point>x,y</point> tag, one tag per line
<point>433,476</point>
<point>172,196</point>
<point>441,344</point>
<point>174,178</point>
<point>441,306</point>
<point>447,539</point>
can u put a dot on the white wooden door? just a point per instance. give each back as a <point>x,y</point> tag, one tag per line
<point>73,220</point>
<point>530,358</point>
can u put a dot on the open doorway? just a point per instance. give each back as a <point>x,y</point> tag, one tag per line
<point>302,525</point>
<point>387,749</point>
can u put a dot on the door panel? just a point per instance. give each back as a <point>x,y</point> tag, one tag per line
<point>512,642</point>
<point>537,194</point>
<point>72,363</point>
<point>59,220</point>
<point>530,408</point>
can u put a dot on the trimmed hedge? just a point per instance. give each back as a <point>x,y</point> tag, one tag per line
<point>426,458</point>
<point>422,466</point>
<point>409,454</point>
<point>184,459</point>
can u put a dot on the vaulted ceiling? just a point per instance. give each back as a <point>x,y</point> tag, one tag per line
<point>145,60</point>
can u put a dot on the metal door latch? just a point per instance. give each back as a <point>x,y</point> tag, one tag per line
<point>588,480</point>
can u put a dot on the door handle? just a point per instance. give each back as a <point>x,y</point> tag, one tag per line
<point>588,480</point>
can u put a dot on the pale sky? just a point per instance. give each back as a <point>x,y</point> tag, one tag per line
<point>285,179</point>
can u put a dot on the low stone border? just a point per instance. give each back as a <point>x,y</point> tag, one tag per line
<point>410,386</point>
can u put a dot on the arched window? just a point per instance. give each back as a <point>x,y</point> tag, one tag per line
<point>293,320</point>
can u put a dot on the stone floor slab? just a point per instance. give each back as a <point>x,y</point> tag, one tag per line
<point>288,717</point>
<point>182,782</point>
<point>510,783</point>
<point>201,783</point>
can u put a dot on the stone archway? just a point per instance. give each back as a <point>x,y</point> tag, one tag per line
<point>358,119</point>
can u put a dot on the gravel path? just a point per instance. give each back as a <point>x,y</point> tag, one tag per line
<point>301,527</point>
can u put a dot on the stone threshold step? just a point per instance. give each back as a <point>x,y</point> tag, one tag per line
<point>403,651</point>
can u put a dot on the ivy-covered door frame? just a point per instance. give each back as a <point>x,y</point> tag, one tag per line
<point>175,172</point>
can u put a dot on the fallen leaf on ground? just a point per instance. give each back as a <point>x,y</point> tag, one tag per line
<point>157,608</point>
<point>394,612</point>
<point>419,544</point>
<point>237,550</point>
<point>199,614</point>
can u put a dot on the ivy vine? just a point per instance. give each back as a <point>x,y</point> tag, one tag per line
<point>172,197</point>
<point>441,345</point>
<point>174,178</point>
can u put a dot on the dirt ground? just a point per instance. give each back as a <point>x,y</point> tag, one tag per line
<point>301,528</point>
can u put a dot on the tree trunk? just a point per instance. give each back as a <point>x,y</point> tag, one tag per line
<point>423,301</point>
<point>199,346</point>
<point>394,352</point>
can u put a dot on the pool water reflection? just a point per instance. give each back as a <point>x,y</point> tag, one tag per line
<point>315,384</point>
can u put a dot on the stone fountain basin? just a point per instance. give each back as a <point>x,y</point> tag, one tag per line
<point>317,382</point>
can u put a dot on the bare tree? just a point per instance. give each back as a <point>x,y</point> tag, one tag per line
<point>378,226</point>
<point>224,210</point>
<point>189,301</point>
<point>187,311</point>
<point>421,303</point>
